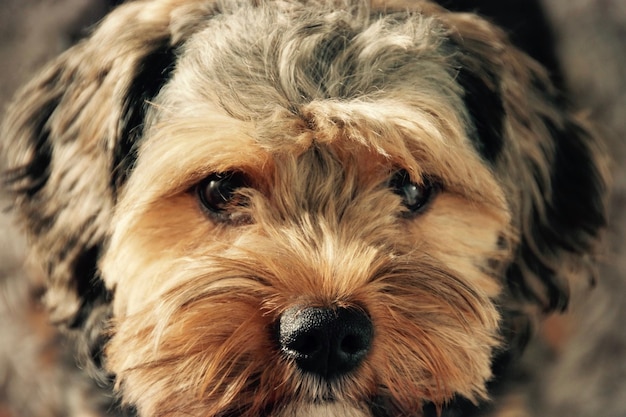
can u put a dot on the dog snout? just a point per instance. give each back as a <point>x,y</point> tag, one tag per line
<point>328,342</point>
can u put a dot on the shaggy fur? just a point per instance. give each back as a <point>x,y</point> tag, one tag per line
<point>326,112</point>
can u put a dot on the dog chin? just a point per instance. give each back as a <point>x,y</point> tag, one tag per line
<point>328,409</point>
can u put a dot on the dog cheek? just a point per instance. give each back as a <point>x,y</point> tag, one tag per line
<point>194,364</point>
<point>197,329</point>
<point>466,236</point>
<point>149,240</point>
<point>419,321</point>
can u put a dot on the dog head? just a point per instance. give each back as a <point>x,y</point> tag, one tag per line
<point>305,208</point>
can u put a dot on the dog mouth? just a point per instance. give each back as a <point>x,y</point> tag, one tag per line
<point>319,397</point>
<point>374,407</point>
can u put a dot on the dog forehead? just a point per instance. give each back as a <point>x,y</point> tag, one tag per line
<point>326,71</point>
<point>309,54</point>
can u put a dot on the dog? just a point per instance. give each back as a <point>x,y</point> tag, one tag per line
<point>302,208</point>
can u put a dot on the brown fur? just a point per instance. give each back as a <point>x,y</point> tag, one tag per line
<point>108,144</point>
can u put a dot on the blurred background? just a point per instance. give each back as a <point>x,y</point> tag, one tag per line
<point>580,368</point>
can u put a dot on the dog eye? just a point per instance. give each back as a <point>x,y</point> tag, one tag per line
<point>415,197</point>
<point>219,194</point>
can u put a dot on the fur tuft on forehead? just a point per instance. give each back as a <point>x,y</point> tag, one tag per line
<point>320,55</point>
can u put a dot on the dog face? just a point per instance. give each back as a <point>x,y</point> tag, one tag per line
<point>301,208</point>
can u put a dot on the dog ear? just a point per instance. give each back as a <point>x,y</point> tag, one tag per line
<point>70,141</point>
<point>550,163</point>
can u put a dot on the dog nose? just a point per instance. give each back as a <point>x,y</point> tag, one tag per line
<point>328,342</point>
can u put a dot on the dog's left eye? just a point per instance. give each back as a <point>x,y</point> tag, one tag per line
<point>415,197</point>
<point>219,194</point>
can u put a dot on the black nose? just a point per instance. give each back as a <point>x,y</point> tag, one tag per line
<point>328,342</point>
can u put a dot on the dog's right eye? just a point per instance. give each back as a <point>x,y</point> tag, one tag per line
<point>219,193</point>
<point>415,197</point>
